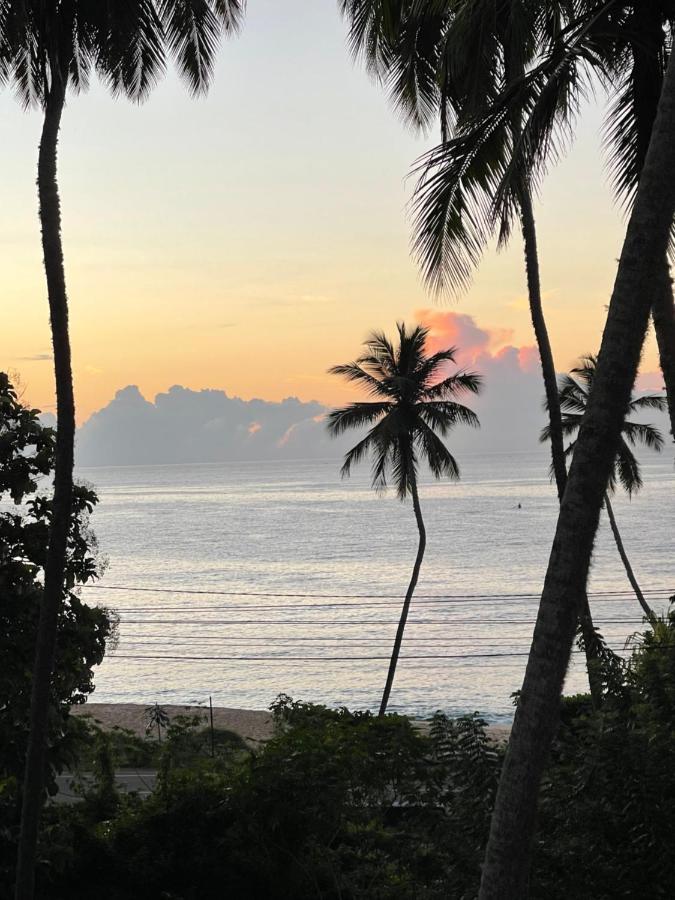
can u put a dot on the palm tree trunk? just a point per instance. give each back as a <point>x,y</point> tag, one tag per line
<point>543,342</point>
<point>507,858</point>
<point>663,313</point>
<point>408,597</point>
<point>529,231</point>
<point>648,611</point>
<point>50,220</point>
<point>647,47</point>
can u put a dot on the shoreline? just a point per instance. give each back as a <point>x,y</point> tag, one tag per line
<point>254,725</point>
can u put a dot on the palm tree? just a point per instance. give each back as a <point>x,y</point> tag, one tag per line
<point>470,185</point>
<point>48,50</point>
<point>415,403</point>
<point>638,280</point>
<point>448,60</point>
<point>574,394</point>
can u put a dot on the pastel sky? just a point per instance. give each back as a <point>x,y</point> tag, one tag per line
<point>249,240</point>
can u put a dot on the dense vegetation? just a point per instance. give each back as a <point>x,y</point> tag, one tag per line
<point>349,805</point>
<point>27,449</point>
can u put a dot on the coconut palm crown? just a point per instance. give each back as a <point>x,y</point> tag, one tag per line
<point>414,406</point>
<point>574,393</point>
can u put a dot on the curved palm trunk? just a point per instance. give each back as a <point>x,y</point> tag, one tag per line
<point>529,232</point>
<point>408,597</point>
<point>50,220</point>
<point>648,611</point>
<point>638,279</point>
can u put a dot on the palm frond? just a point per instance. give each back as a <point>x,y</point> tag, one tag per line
<point>130,56</point>
<point>355,372</point>
<point>439,459</point>
<point>443,415</point>
<point>410,356</point>
<point>452,208</point>
<point>649,401</point>
<point>585,370</point>
<point>413,76</point>
<point>454,385</point>
<point>355,415</point>
<point>645,435</point>
<point>381,352</point>
<point>373,29</point>
<point>403,463</point>
<point>192,31</point>
<point>429,365</point>
<point>627,469</point>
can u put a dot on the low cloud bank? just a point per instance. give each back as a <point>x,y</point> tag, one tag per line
<point>183,425</point>
<point>187,426</point>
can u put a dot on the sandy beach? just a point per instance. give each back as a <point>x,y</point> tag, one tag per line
<point>254,725</point>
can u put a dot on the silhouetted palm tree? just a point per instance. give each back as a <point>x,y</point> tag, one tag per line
<point>469,184</point>
<point>449,60</point>
<point>415,403</point>
<point>507,857</point>
<point>626,471</point>
<point>48,50</point>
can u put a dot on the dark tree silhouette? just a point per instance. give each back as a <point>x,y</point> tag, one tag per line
<point>415,403</point>
<point>638,280</point>
<point>574,394</point>
<point>448,61</point>
<point>48,50</point>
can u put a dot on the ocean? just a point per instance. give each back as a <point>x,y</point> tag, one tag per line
<point>241,581</point>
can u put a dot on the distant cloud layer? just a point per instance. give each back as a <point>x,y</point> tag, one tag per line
<point>183,425</point>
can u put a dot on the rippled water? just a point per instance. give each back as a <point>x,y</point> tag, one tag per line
<point>311,571</point>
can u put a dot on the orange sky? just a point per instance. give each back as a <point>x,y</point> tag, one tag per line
<point>250,240</point>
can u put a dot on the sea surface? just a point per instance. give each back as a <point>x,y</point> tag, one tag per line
<point>240,581</point>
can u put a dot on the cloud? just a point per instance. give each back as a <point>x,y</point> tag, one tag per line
<point>37,357</point>
<point>182,425</point>
<point>186,426</point>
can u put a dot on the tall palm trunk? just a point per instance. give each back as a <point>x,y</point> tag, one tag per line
<point>529,231</point>
<point>647,50</point>
<point>543,342</point>
<point>50,220</point>
<point>648,611</point>
<point>663,314</point>
<point>507,858</point>
<point>408,597</point>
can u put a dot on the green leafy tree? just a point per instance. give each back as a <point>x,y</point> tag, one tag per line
<point>626,471</point>
<point>49,51</point>
<point>27,449</point>
<point>416,402</point>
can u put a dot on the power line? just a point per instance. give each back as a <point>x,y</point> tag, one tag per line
<point>184,658</point>
<point>351,623</point>
<point>533,595</point>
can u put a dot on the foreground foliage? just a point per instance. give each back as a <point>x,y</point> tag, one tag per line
<point>349,805</point>
<point>27,449</point>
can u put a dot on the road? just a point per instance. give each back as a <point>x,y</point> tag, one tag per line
<point>136,781</point>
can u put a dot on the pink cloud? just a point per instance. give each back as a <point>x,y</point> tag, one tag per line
<point>477,346</point>
<point>254,427</point>
<point>649,381</point>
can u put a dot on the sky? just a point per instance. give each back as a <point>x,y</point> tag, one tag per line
<point>247,241</point>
